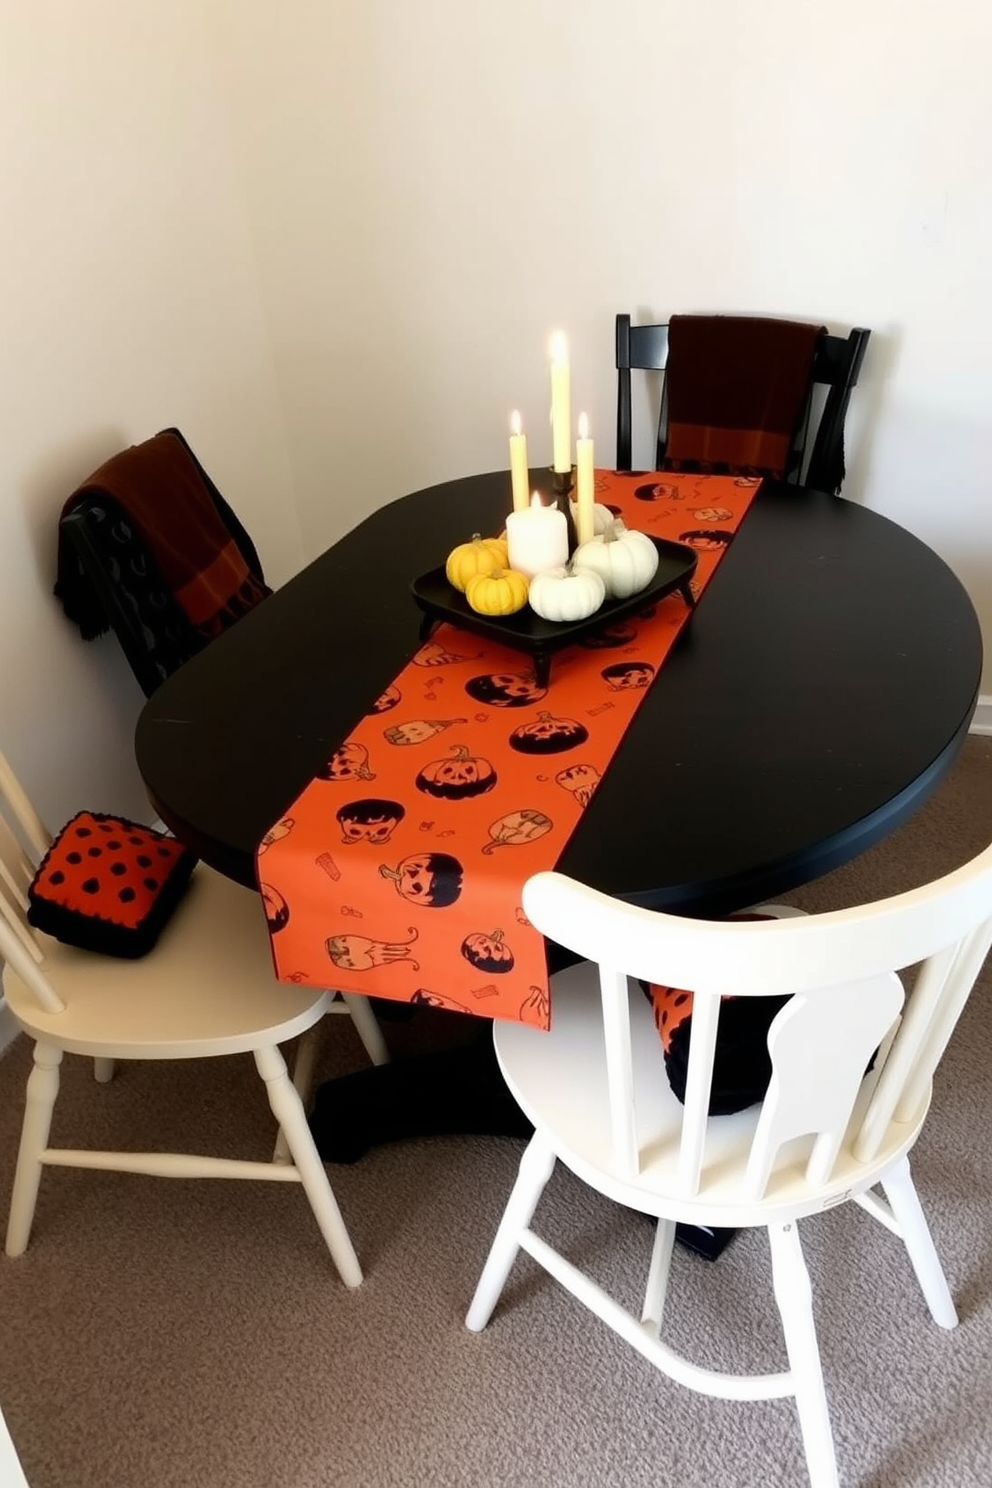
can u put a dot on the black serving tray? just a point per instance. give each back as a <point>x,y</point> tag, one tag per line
<point>526,631</point>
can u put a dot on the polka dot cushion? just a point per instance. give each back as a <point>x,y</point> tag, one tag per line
<point>109,885</point>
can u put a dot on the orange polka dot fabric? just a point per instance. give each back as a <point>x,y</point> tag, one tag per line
<point>398,871</point>
<point>108,884</point>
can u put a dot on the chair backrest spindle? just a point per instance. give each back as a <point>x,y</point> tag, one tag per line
<point>616,1032</point>
<point>699,1082</point>
<point>12,792</point>
<point>19,824</point>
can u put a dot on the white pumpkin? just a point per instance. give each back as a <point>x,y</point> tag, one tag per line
<point>626,561</point>
<point>602,517</point>
<point>559,594</point>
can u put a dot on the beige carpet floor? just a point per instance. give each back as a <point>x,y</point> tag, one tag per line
<point>164,1334</point>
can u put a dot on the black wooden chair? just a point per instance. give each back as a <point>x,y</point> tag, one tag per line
<point>836,365</point>
<point>154,633</point>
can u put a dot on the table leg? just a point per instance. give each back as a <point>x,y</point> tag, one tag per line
<point>449,1092</point>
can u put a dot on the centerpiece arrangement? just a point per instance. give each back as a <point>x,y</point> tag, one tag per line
<point>561,566</point>
<point>579,551</point>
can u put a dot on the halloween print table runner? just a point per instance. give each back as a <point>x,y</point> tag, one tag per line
<point>398,871</point>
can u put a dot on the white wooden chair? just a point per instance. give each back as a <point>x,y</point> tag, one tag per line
<point>206,989</point>
<point>596,1091</point>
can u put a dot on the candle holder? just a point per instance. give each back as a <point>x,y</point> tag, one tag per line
<point>562,485</point>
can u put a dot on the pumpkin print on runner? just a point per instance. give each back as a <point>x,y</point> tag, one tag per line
<point>370,820</point>
<point>536,1007</point>
<point>430,879</point>
<point>458,778</point>
<point>423,998</point>
<point>706,539</point>
<point>505,689</point>
<point>418,730</point>
<point>359,953</point>
<point>433,655</point>
<point>517,828</point>
<point>275,907</point>
<point>444,754</point>
<point>623,674</point>
<point>488,952</point>
<point>349,762</point>
<point>549,735</point>
<point>281,829</point>
<point>386,700</point>
<point>660,491</point>
<point>609,637</point>
<point>712,514</point>
<point>581,780</point>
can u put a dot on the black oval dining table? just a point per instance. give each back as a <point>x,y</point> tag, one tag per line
<point>817,695</point>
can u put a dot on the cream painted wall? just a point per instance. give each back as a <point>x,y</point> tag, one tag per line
<point>436,184</point>
<point>329,241</point>
<point>130,302</point>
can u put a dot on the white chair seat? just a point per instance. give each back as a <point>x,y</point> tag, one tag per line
<point>559,1080</point>
<point>207,988</point>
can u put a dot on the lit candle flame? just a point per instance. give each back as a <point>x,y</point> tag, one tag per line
<point>583,426</point>
<point>559,347</point>
<point>515,423</point>
<point>535,499</point>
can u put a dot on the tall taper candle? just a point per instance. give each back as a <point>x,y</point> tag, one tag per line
<point>519,482</point>
<point>585,483</point>
<point>561,418</point>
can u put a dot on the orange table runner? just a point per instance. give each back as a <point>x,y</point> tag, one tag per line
<point>398,871</point>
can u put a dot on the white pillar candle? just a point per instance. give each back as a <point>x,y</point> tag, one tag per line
<point>537,538</point>
<point>561,418</point>
<point>585,483</point>
<point>519,477</point>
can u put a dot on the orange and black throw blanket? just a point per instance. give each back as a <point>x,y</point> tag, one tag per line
<point>158,489</point>
<point>737,389</point>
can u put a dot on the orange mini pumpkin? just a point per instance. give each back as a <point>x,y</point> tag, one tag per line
<point>480,556</point>
<point>503,591</point>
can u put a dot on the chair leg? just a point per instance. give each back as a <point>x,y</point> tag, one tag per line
<point>368,1031</point>
<point>904,1201</point>
<point>367,1026</point>
<point>536,1167</point>
<point>288,1111</point>
<point>39,1103</point>
<point>794,1297</point>
<point>303,1066</point>
<point>657,1287</point>
<point>103,1071</point>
